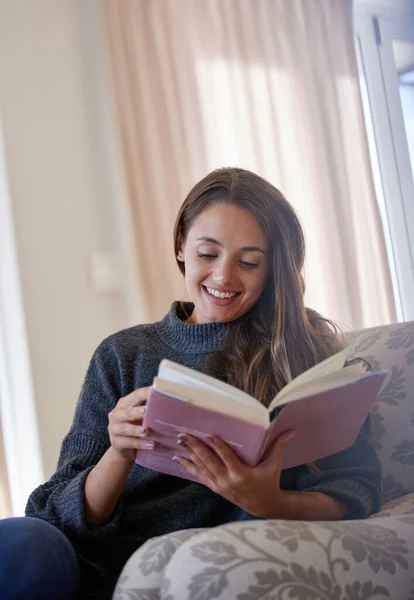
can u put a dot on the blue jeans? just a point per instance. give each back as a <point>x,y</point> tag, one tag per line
<point>37,562</point>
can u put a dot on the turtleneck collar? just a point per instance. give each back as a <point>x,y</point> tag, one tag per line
<point>194,338</point>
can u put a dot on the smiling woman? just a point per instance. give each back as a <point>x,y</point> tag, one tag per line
<point>224,275</point>
<point>240,246</point>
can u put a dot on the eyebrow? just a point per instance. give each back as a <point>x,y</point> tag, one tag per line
<point>211,240</point>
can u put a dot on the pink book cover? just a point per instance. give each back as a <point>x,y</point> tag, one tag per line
<point>325,424</point>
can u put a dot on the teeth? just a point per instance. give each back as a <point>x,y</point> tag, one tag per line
<point>217,294</point>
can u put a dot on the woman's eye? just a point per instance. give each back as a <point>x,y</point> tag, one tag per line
<point>245,264</point>
<point>206,256</point>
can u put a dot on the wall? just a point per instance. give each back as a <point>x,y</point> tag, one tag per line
<point>63,198</point>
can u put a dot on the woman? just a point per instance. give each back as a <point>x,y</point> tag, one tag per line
<point>240,247</point>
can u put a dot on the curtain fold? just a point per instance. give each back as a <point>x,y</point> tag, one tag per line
<point>5,503</point>
<point>269,85</point>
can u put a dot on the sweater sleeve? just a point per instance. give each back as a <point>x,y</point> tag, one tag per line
<point>352,476</point>
<point>60,501</point>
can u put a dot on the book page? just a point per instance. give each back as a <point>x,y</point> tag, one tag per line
<point>330,365</point>
<point>171,371</point>
<point>320,384</point>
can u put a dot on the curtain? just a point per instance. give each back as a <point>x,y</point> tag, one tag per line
<point>268,85</point>
<point>5,504</point>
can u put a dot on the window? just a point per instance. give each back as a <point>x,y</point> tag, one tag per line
<point>385,48</point>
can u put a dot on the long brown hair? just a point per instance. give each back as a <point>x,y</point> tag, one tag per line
<point>279,337</point>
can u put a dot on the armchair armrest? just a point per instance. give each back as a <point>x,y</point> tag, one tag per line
<point>354,560</point>
<point>347,560</point>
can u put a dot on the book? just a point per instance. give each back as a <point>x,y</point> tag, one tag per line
<point>326,406</point>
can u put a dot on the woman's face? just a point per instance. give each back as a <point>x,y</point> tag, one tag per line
<point>226,263</point>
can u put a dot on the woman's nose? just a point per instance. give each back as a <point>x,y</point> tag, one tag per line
<point>223,274</point>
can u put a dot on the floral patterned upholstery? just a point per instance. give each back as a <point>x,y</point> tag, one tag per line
<point>278,560</point>
<point>393,414</point>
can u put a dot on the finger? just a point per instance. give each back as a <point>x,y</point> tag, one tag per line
<point>125,442</point>
<point>131,414</point>
<point>192,469</point>
<point>278,448</point>
<point>129,430</point>
<point>135,398</point>
<point>226,454</point>
<point>202,456</point>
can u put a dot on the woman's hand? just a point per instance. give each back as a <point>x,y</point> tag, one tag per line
<point>254,489</point>
<point>125,425</point>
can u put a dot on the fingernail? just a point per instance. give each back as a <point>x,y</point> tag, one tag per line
<point>143,410</point>
<point>143,431</point>
<point>175,459</point>
<point>150,445</point>
<point>182,441</point>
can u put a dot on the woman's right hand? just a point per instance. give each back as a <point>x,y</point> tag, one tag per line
<point>125,425</point>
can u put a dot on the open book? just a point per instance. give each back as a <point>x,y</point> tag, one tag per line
<point>326,406</point>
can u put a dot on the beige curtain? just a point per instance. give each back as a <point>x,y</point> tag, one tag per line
<point>269,85</point>
<point>5,504</point>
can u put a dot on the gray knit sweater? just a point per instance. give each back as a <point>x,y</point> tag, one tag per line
<point>154,504</point>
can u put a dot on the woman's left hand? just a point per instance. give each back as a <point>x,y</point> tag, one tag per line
<point>254,489</point>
